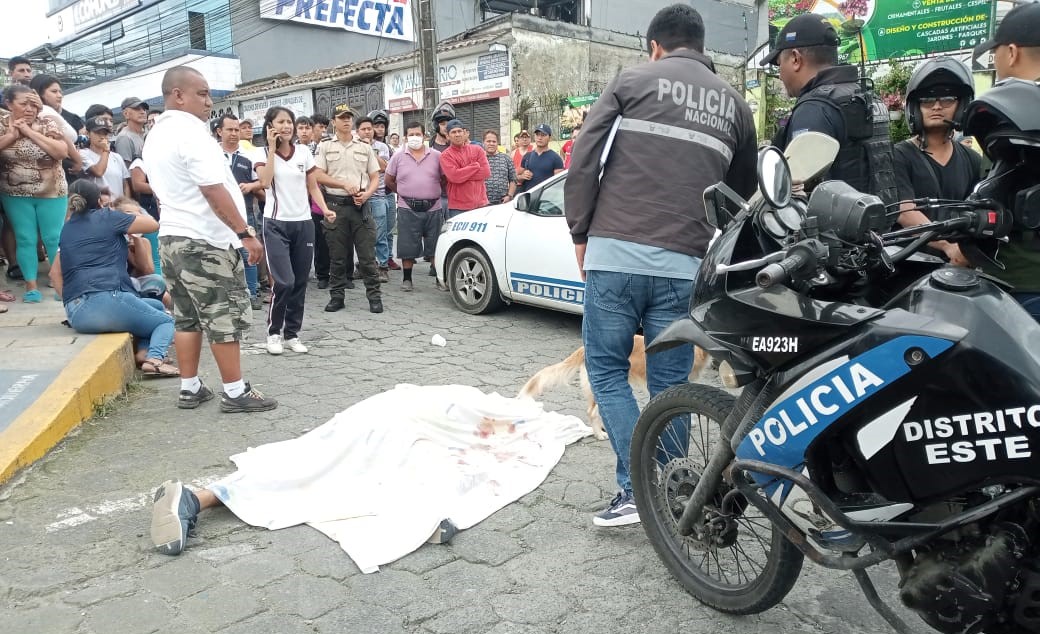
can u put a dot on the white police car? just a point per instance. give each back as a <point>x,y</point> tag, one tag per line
<point>520,251</point>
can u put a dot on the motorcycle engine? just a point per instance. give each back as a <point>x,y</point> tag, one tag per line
<point>972,584</point>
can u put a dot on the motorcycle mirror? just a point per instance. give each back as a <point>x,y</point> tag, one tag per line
<point>774,177</point>
<point>810,155</point>
<point>719,201</point>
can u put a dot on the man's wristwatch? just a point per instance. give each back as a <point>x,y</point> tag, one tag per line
<point>250,232</point>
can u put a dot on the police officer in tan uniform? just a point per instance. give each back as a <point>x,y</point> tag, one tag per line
<point>349,171</point>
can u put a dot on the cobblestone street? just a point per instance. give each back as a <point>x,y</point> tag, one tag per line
<point>75,554</point>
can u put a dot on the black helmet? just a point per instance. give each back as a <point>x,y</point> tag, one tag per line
<point>1006,119</point>
<point>945,71</point>
<point>379,116</point>
<point>444,112</point>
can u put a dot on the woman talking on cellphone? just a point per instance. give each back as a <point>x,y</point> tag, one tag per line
<point>286,171</point>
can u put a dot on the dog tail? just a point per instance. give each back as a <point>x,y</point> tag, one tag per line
<point>553,375</point>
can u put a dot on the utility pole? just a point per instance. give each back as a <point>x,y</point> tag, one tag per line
<point>428,59</point>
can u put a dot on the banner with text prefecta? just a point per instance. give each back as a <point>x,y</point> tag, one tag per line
<point>380,18</point>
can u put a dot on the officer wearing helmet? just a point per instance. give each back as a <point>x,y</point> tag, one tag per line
<point>380,121</point>
<point>930,164</point>
<point>441,116</point>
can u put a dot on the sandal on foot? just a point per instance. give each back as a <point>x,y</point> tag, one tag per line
<point>3,309</point>
<point>6,296</point>
<point>159,368</point>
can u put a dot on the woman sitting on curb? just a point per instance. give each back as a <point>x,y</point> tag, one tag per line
<point>91,276</point>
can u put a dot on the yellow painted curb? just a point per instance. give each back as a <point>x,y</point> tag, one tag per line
<point>102,369</point>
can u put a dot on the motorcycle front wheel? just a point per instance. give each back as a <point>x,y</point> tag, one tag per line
<point>751,570</point>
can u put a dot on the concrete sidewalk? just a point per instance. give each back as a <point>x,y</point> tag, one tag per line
<point>51,378</point>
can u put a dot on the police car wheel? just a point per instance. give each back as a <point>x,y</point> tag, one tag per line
<point>472,282</point>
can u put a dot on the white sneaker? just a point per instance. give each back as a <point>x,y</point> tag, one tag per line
<point>274,344</point>
<point>296,345</point>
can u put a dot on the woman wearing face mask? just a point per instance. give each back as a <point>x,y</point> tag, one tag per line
<point>33,188</point>
<point>286,171</point>
<point>415,175</point>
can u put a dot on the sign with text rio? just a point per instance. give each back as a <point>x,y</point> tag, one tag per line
<point>381,18</point>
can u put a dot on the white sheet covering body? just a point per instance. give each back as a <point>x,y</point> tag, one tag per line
<point>380,476</point>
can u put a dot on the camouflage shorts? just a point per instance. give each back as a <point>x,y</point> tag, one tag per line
<point>208,287</point>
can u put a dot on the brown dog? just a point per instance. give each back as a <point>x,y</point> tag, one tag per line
<point>564,371</point>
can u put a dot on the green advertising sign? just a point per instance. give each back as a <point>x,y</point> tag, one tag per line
<point>895,28</point>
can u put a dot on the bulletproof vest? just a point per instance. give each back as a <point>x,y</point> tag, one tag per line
<point>865,159</point>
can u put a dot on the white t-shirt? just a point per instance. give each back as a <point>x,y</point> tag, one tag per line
<point>287,196</point>
<point>180,157</point>
<point>115,172</point>
<point>70,133</point>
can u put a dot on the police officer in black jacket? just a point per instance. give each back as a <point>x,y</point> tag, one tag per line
<point>832,100</point>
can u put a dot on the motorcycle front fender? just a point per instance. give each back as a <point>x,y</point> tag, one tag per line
<point>680,332</point>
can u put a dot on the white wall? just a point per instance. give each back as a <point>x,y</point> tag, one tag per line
<point>222,73</point>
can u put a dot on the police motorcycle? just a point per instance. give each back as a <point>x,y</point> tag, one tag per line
<point>902,425</point>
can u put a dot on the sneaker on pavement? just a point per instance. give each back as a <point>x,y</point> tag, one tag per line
<point>621,512</point>
<point>274,344</point>
<point>384,275</point>
<point>375,305</point>
<point>250,401</point>
<point>433,271</point>
<point>296,345</point>
<point>393,265</point>
<point>256,302</point>
<point>407,286</point>
<point>174,512</point>
<point>191,400</point>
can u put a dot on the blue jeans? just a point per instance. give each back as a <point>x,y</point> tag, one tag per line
<point>252,276</point>
<point>1029,301</point>
<point>391,222</point>
<point>380,215</point>
<point>118,311</point>
<point>153,240</point>
<point>616,305</point>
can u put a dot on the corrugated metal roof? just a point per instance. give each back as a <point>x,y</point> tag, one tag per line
<point>349,71</point>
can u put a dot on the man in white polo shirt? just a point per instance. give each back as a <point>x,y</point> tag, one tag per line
<point>203,226</point>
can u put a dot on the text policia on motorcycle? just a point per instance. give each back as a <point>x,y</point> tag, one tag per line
<point>889,403</point>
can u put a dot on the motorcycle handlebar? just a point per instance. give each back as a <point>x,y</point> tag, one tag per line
<point>781,271</point>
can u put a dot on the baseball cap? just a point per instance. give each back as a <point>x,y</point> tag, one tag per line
<point>544,129</point>
<point>1020,26</point>
<point>455,123</point>
<point>344,109</point>
<point>133,103</point>
<point>98,124</point>
<point>808,29</point>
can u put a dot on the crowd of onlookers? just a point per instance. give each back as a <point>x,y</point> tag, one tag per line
<point>334,200</point>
